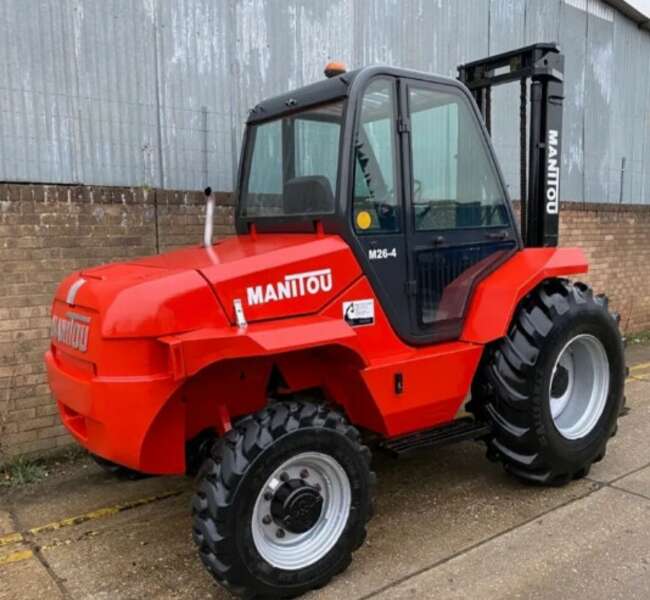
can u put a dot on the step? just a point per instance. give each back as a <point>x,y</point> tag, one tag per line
<point>456,431</point>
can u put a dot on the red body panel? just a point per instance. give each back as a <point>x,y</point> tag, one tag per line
<point>269,270</point>
<point>496,297</point>
<point>165,359</point>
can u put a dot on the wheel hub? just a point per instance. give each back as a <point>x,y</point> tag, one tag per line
<point>301,510</point>
<point>297,506</point>
<point>579,386</point>
<point>560,382</point>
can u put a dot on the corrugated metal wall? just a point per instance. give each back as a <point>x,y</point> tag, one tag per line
<point>147,92</point>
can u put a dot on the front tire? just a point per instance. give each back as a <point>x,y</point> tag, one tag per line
<point>283,501</point>
<point>553,388</point>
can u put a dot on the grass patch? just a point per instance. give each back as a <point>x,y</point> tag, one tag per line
<point>21,471</point>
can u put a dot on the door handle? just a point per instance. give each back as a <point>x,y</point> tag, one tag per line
<point>438,240</point>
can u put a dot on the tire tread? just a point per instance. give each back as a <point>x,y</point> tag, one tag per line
<point>225,468</point>
<point>518,439</point>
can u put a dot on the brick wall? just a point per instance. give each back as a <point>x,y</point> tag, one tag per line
<point>616,240</point>
<point>48,231</point>
<point>45,233</point>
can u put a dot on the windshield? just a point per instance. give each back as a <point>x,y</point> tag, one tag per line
<point>293,164</point>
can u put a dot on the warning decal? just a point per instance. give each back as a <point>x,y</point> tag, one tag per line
<point>359,312</point>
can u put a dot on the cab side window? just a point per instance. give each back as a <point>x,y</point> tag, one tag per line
<point>455,184</point>
<point>375,204</point>
<point>317,148</point>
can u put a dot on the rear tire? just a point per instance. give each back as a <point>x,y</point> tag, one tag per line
<point>283,501</point>
<point>553,388</point>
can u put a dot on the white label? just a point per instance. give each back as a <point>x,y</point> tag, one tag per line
<point>552,174</point>
<point>72,331</point>
<point>382,253</point>
<point>292,286</point>
<point>359,312</point>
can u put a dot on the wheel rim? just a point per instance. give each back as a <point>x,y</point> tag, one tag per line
<point>579,386</point>
<point>301,511</point>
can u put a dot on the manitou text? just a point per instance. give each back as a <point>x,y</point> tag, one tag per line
<point>292,286</point>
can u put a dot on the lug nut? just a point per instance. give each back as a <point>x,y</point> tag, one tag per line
<point>304,474</point>
<point>268,496</point>
<point>284,476</point>
<point>317,487</point>
<point>267,520</point>
<point>280,533</point>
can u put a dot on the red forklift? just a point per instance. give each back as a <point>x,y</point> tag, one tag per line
<point>379,295</point>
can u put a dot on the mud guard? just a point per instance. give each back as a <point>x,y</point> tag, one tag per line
<point>217,356</point>
<point>496,297</point>
<point>193,351</point>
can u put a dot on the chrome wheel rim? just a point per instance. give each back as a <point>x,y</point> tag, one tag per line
<point>315,474</point>
<point>579,386</point>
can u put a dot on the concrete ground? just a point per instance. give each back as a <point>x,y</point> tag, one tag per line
<point>449,524</point>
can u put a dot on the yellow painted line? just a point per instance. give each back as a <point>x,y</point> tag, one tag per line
<point>102,513</point>
<point>643,377</point>
<point>12,538</point>
<point>17,556</point>
<point>640,366</point>
<point>639,374</point>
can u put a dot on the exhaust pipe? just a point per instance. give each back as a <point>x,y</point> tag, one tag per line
<point>209,218</point>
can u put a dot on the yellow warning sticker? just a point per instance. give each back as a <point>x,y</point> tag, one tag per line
<point>364,220</point>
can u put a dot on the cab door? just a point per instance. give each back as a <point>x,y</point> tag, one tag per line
<point>378,200</point>
<point>458,220</point>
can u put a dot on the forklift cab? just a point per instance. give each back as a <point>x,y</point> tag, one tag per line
<point>399,164</point>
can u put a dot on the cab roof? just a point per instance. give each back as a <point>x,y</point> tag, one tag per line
<point>326,90</point>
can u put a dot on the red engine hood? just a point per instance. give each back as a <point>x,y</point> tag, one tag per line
<point>230,250</point>
<point>127,300</point>
<point>273,275</point>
